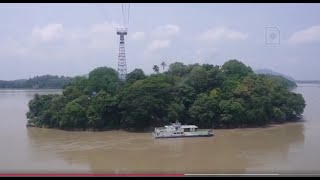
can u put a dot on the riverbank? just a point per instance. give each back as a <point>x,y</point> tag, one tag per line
<point>150,130</point>
<point>75,129</point>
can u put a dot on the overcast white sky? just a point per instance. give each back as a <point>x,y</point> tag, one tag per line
<point>73,39</point>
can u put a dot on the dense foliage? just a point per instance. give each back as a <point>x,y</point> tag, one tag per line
<point>38,82</point>
<point>209,96</point>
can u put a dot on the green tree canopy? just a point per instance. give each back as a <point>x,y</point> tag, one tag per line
<point>206,95</point>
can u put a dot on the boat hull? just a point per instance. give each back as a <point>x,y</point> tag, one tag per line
<point>183,136</point>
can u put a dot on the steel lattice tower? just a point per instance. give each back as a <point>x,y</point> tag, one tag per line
<point>122,66</point>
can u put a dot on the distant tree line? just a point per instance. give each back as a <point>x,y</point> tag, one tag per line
<point>308,81</point>
<point>38,82</point>
<point>206,95</point>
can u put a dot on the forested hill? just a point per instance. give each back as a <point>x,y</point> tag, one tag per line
<point>270,72</point>
<point>38,82</point>
<point>289,81</point>
<point>206,95</point>
<point>283,79</point>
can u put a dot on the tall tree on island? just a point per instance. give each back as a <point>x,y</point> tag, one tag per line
<point>163,64</point>
<point>156,68</point>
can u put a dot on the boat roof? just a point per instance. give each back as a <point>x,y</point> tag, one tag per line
<point>182,126</point>
<point>189,126</point>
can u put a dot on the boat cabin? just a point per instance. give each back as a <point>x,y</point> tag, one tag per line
<point>179,128</point>
<point>189,128</point>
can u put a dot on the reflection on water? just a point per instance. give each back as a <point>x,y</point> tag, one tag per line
<point>285,148</point>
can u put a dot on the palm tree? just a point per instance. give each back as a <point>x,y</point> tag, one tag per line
<point>163,64</point>
<point>156,68</point>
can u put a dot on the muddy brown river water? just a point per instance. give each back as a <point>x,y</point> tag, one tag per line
<point>289,148</point>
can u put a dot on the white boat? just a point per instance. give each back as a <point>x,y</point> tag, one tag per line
<point>176,130</point>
